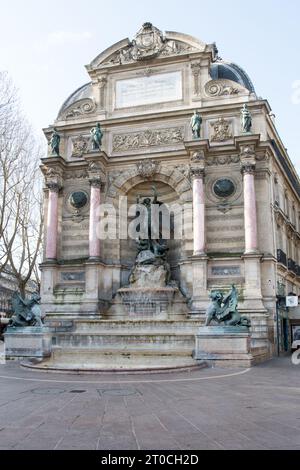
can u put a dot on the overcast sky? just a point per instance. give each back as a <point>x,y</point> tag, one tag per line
<point>44,45</point>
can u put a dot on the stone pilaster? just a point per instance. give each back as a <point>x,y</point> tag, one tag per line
<point>196,69</point>
<point>197,177</point>
<point>102,81</point>
<point>53,179</point>
<point>252,257</point>
<point>95,201</point>
<point>250,215</point>
<point>198,262</point>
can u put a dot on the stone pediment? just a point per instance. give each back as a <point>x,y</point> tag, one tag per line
<point>149,43</point>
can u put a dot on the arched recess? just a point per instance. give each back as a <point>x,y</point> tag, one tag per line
<point>173,187</point>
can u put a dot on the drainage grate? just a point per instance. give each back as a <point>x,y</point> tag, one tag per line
<point>118,392</point>
<point>77,391</point>
<point>47,391</point>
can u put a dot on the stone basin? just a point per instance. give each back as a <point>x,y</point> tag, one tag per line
<point>148,302</point>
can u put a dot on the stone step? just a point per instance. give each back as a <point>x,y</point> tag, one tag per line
<point>115,360</point>
<point>122,341</point>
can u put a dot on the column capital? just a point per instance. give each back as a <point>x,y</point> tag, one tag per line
<point>197,172</point>
<point>96,182</point>
<point>248,159</point>
<point>53,187</point>
<point>96,174</point>
<point>53,178</point>
<point>248,168</point>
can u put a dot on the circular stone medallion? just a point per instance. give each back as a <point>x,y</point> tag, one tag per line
<point>78,199</point>
<point>224,188</point>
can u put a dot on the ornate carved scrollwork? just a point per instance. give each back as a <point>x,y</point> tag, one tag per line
<point>216,88</point>
<point>86,106</point>
<point>53,178</point>
<point>148,168</point>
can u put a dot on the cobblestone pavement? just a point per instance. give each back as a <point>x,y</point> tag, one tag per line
<point>205,409</point>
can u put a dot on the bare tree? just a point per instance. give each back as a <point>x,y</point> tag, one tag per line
<point>20,190</point>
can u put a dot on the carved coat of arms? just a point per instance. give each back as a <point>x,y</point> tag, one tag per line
<point>148,42</point>
<point>222,130</point>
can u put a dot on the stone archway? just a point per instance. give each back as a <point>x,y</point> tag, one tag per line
<point>173,187</point>
<point>175,176</point>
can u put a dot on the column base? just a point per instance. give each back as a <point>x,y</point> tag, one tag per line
<point>94,259</point>
<point>199,254</point>
<point>50,261</point>
<point>252,252</point>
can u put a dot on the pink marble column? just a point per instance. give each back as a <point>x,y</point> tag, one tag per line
<point>52,222</point>
<point>94,242</point>
<point>250,210</point>
<point>198,211</point>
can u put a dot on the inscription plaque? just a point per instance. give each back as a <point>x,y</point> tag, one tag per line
<point>159,88</point>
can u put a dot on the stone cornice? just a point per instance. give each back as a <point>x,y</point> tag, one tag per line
<point>158,115</point>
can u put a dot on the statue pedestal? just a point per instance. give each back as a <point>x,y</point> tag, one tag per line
<point>29,342</point>
<point>224,346</point>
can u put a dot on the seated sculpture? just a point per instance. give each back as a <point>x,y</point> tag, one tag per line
<point>27,312</point>
<point>224,309</point>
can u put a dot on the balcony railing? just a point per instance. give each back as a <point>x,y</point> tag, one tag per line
<point>292,266</point>
<point>281,257</point>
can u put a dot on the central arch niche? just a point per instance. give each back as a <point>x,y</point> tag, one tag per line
<point>128,249</point>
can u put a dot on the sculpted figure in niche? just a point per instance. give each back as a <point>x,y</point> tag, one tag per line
<point>97,136</point>
<point>54,143</point>
<point>196,122</point>
<point>246,120</point>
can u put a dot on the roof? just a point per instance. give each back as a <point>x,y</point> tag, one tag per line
<point>231,71</point>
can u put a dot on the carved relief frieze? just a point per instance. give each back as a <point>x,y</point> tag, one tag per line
<point>148,138</point>
<point>222,160</point>
<point>76,174</point>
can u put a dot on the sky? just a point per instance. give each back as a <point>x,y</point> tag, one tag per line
<point>44,45</point>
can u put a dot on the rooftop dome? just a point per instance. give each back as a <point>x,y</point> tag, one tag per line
<point>84,92</point>
<point>231,71</point>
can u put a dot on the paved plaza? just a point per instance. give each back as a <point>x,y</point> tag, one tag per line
<point>204,409</point>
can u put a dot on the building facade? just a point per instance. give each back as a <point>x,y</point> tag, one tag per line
<point>240,187</point>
